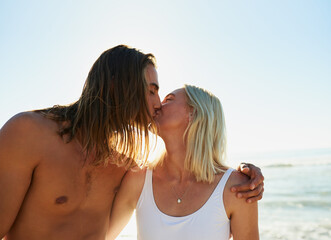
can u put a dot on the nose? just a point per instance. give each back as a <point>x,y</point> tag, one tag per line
<point>157,104</point>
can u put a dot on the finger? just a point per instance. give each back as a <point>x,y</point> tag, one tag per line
<point>257,180</point>
<point>255,199</point>
<point>250,194</point>
<point>246,170</point>
<point>243,187</point>
<point>255,175</point>
<point>243,167</point>
<point>254,186</point>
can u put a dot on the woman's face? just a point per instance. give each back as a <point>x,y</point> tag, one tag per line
<point>174,114</point>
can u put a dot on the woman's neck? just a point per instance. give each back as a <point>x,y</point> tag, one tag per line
<point>173,164</point>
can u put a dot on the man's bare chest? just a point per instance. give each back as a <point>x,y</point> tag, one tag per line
<point>64,184</point>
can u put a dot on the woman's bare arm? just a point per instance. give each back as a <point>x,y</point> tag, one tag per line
<point>125,202</point>
<point>243,216</point>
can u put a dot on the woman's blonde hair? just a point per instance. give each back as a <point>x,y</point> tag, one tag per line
<point>205,135</point>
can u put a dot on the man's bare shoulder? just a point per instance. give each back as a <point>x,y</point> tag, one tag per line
<point>23,135</point>
<point>27,122</point>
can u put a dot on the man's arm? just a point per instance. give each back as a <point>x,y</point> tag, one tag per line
<point>125,202</point>
<point>252,190</point>
<point>16,167</point>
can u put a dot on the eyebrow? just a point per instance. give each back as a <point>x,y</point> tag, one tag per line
<point>170,94</point>
<point>154,85</point>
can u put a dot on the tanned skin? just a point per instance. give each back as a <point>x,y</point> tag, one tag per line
<point>52,192</point>
<point>49,188</point>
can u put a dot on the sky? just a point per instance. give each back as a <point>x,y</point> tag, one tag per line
<point>269,62</point>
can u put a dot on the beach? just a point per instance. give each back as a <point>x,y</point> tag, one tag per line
<point>297,200</point>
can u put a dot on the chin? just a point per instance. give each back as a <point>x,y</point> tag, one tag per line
<point>157,128</point>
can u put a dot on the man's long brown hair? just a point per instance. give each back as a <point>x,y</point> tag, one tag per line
<point>111,117</point>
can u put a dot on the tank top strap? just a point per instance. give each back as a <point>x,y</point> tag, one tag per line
<point>149,180</point>
<point>221,184</point>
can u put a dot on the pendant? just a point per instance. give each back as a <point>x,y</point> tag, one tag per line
<point>179,200</point>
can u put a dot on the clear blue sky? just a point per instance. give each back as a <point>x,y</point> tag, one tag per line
<point>268,61</point>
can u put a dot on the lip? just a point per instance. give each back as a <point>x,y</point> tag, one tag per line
<point>158,112</point>
<point>156,115</point>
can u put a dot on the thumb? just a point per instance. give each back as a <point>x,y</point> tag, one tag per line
<point>244,169</point>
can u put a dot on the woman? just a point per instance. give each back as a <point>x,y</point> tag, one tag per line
<point>186,194</point>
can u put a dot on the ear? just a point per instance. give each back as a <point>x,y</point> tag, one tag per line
<point>191,114</point>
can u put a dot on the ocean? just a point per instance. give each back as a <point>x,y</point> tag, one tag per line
<point>296,204</point>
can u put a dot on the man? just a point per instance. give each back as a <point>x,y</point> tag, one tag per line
<point>60,167</point>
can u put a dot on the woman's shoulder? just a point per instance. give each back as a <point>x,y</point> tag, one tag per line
<point>134,180</point>
<point>135,175</point>
<point>237,177</point>
<point>243,215</point>
<point>231,201</point>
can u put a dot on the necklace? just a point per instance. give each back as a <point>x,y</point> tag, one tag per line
<point>180,198</point>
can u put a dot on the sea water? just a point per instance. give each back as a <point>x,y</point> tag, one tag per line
<point>297,200</point>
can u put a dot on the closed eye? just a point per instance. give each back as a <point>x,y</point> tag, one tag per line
<point>166,100</point>
<point>169,97</point>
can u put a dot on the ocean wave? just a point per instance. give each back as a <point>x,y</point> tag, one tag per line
<point>286,159</point>
<point>279,165</point>
<point>318,204</point>
<point>295,163</point>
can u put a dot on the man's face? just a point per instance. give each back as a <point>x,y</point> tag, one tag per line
<point>153,98</point>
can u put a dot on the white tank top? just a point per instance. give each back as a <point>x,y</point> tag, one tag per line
<point>210,222</point>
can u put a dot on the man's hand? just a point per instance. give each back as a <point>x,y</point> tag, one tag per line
<point>254,188</point>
